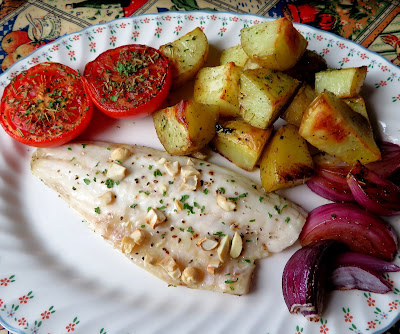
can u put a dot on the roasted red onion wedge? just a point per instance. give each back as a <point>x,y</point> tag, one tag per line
<point>349,277</point>
<point>360,230</point>
<point>365,261</point>
<point>305,278</point>
<point>390,162</point>
<point>334,191</point>
<point>372,192</point>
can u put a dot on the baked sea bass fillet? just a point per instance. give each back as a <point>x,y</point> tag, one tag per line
<point>187,221</point>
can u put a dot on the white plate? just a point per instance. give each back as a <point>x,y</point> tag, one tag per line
<point>56,276</point>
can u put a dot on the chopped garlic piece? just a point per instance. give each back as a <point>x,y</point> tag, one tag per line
<point>127,245</point>
<point>189,183</point>
<point>168,263</point>
<point>189,171</point>
<point>163,188</point>
<point>191,275</point>
<point>172,167</point>
<point>199,155</point>
<point>155,217</point>
<point>208,244</point>
<point>190,162</point>
<point>212,265</point>
<point>178,205</point>
<point>116,172</point>
<point>107,198</point>
<point>225,204</point>
<point>148,259</point>
<point>138,236</point>
<point>162,161</point>
<point>175,274</point>
<point>120,154</point>
<point>237,246</point>
<point>223,248</point>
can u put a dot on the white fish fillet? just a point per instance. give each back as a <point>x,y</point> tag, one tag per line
<point>80,173</point>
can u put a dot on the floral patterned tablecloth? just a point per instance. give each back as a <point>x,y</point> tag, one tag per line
<point>28,24</point>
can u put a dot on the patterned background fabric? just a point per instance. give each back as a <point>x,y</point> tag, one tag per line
<point>28,24</point>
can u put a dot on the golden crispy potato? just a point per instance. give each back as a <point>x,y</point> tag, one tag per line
<point>286,161</point>
<point>219,85</point>
<point>186,127</point>
<point>294,112</point>
<point>274,44</point>
<point>345,82</point>
<point>262,95</point>
<point>240,142</point>
<point>235,54</point>
<point>187,55</point>
<point>250,64</point>
<point>333,127</point>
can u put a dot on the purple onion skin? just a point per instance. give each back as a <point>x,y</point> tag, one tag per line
<point>330,189</point>
<point>372,192</point>
<point>390,162</point>
<point>349,277</point>
<point>365,261</point>
<point>305,277</point>
<point>360,230</point>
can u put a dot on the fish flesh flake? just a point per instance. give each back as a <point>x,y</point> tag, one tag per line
<point>187,221</point>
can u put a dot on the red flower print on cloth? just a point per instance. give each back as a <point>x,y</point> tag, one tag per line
<point>99,30</point>
<point>319,38</point>
<point>348,317</point>
<point>146,20</point>
<point>371,324</point>
<point>21,322</point>
<point>370,302</point>
<point>323,329</point>
<point>45,315</point>
<point>213,17</point>
<point>76,38</point>
<point>23,299</point>
<point>342,46</point>
<point>136,34</point>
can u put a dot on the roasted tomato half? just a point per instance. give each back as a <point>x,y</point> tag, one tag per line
<point>47,105</point>
<point>129,81</point>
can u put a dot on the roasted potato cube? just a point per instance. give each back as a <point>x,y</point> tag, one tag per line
<point>286,161</point>
<point>240,142</point>
<point>219,85</point>
<point>274,44</point>
<point>345,82</point>
<point>262,95</point>
<point>250,64</point>
<point>294,112</point>
<point>305,69</point>
<point>185,127</point>
<point>333,127</point>
<point>235,54</point>
<point>358,105</point>
<point>187,55</point>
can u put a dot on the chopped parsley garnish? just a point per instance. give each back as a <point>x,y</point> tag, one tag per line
<point>84,145</point>
<point>228,281</point>
<point>252,220</point>
<point>205,191</point>
<point>171,182</point>
<point>109,183</point>
<point>260,199</point>
<point>87,181</point>
<point>221,190</point>
<point>97,210</point>
<point>220,234</point>
<point>146,192</point>
<point>278,209</point>
<point>190,230</point>
<point>69,148</point>
<point>269,215</point>
<point>184,198</point>
<point>157,173</point>
<point>287,220</point>
<point>150,167</point>
<point>333,216</point>
<point>133,206</point>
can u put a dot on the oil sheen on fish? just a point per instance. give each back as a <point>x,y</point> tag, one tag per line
<point>187,221</point>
